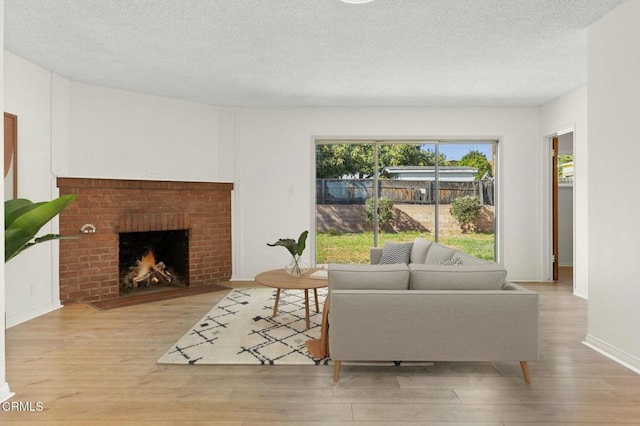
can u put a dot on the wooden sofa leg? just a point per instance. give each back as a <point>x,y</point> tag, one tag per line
<point>336,370</point>
<point>525,371</point>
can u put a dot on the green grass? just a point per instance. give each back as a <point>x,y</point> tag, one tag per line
<point>354,248</point>
<point>479,245</point>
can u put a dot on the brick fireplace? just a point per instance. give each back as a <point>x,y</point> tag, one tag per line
<point>90,265</point>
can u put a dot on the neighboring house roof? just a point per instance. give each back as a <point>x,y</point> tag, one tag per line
<point>446,173</point>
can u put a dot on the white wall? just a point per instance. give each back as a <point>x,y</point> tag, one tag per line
<point>71,129</point>
<point>570,112</point>
<point>274,173</point>
<point>614,269</point>
<point>268,154</point>
<point>31,291</point>
<point>119,134</point>
<point>5,392</point>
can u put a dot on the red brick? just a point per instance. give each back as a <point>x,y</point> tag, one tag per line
<point>126,205</point>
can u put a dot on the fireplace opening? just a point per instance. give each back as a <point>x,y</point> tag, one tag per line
<point>154,260</point>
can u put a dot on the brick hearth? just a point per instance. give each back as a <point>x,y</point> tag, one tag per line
<point>89,264</point>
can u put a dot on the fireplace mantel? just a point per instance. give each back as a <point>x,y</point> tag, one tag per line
<point>89,263</point>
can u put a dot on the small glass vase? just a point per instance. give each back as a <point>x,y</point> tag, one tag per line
<point>296,267</point>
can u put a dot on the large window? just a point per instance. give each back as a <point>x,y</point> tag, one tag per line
<point>375,191</point>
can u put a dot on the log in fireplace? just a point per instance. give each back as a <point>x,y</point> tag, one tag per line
<point>150,260</point>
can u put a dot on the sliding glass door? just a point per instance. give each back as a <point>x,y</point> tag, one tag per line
<point>344,183</point>
<point>466,197</point>
<point>368,192</point>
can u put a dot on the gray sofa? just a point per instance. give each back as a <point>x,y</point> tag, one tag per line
<point>443,305</point>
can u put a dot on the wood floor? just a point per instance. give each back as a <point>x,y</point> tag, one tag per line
<point>99,367</point>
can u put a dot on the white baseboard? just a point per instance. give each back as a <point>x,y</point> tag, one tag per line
<point>5,393</point>
<point>13,320</point>
<point>580,295</point>
<point>613,353</point>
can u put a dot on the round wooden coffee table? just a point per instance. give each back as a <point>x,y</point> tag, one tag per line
<point>280,280</point>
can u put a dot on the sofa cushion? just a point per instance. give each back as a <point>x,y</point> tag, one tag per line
<point>460,277</point>
<point>438,253</point>
<point>455,260</point>
<point>395,253</point>
<point>369,277</point>
<point>419,250</point>
<point>375,254</point>
<point>466,259</point>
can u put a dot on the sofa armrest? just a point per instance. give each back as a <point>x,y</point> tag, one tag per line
<point>375,254</point>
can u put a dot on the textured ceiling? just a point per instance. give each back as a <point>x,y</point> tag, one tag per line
<point>313,52</point>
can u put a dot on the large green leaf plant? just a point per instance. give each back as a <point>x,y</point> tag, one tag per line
<point>23,219</point>
<point>296,248</point>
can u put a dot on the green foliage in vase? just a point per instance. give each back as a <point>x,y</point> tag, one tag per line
<point>296,248</point>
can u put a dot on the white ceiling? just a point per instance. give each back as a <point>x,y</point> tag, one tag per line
<point>313,52</point>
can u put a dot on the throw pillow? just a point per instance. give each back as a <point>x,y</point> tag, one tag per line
<point>453,261</point>
<point>395,252</point>
<point>419,250</point>
<point>438,253</point>
<point>466,259</point>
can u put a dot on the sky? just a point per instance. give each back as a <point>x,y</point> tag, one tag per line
<point>458,150</point>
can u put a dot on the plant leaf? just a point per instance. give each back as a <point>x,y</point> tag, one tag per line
<point>302,240</point>
<point>288,243</point>
<point>15,208</point>
<point>24,219</point>
<point>50,237</point>
<point>295,247</point>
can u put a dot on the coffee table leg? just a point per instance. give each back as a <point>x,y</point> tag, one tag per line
<point>275,305</point>
<point>306,306</point>
<point>315,296</point>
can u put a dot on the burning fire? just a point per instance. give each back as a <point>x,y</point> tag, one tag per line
<point>148,260</point>
<point>146,272</point>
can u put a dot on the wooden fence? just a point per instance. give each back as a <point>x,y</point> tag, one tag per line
<point>356,191</point>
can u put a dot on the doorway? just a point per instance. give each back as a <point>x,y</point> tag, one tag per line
<point>562,171</point>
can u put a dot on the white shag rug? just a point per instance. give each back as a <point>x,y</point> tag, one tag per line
<point>240,330</point>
